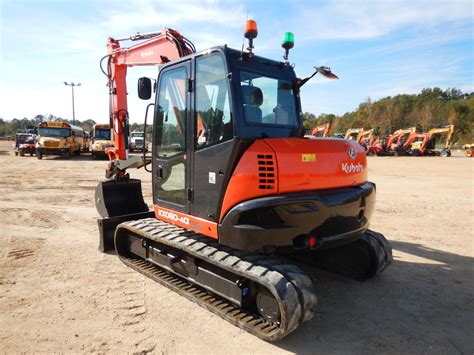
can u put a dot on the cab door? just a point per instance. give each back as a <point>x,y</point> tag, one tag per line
<point>171,154</point>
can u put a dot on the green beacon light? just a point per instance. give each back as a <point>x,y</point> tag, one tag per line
<point>287,44</point>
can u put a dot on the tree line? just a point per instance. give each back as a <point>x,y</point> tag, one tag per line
<point>430,108</point>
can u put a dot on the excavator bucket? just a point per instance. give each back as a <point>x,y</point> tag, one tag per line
<point>117,198</point>
<point>117,202</point>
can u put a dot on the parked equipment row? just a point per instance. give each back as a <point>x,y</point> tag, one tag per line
<point>63,139</point>
<point>409,142</point>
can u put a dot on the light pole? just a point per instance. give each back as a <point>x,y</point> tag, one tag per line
<point>71,84</point>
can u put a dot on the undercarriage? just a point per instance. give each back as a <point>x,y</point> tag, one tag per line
<point>262,294</point>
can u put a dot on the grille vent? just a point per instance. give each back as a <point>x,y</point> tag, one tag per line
<point>49,144</point>
<point>266,171</point>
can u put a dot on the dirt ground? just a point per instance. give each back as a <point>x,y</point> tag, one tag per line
<point>58,293</point>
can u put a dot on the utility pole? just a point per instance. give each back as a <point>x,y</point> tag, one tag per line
<point>71,84</point>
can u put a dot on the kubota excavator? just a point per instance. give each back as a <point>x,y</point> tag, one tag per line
<point>413,141</point>
<point>398,138</point>
<point>235,185</point>
<point>395,143</point>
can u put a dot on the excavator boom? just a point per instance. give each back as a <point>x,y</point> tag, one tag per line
<point>153,49</point>
<point>397,136</point>
<point>321,130</point>
<point>449,130</point>
<point>353,133</point>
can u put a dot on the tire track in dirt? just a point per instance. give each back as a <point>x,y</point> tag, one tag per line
<point>14,246</point>
<point>23,248</point>
<point>5,238</point>
<point>131,312</point>
<point>18,253</point>
<point>46,219</point>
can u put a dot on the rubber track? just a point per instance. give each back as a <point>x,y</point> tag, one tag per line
<point>382,251</point>
<point>292,289</point>
<point>378,254</point>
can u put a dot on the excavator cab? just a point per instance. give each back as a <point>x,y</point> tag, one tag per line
<point>217,103</point>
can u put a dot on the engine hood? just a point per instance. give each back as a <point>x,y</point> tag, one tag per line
<point>273,166</point>
<point>314,164</point>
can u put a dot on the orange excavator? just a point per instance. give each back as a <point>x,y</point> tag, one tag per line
<point>437,142</point>
<point>396,143</point>
<point>398,138</point>
<point>414,140</point>
<point>240,197</point>
<point>321,130</point>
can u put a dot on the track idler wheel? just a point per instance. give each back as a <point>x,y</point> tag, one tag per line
<point>360,260</point>
<point>267,306</point>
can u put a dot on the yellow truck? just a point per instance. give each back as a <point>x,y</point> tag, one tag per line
<point>59,138</point>
<point>100,140</point>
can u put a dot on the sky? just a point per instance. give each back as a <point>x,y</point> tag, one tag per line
<point>377,48</point>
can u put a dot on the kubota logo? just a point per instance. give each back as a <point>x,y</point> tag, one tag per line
<point>352,153</point>
<point>173,216</point>
<point>352,168</point>
<point>145,54</point>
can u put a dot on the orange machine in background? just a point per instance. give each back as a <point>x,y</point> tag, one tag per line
<point>321,130</point>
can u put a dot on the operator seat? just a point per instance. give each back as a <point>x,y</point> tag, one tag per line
<point>252,98</point>
<point>284,107</point>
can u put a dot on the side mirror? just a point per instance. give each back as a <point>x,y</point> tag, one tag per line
<point>144,88</point>
<point>324,71</point>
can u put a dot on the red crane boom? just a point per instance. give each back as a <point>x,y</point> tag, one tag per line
<point>155,49</point>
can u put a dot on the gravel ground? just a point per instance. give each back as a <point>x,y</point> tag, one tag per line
<point>58,293</point>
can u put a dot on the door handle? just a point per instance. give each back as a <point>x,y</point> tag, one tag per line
<point>159,173</point>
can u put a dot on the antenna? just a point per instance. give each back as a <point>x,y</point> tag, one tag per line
<point>243,39</point>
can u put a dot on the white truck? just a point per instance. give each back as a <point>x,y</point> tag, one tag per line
<point>136,141</point>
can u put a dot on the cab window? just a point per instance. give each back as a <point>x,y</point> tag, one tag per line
<point>170,131</point>
<point>171,114</point>
<point>267,101</point>
<point>213,118</point>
